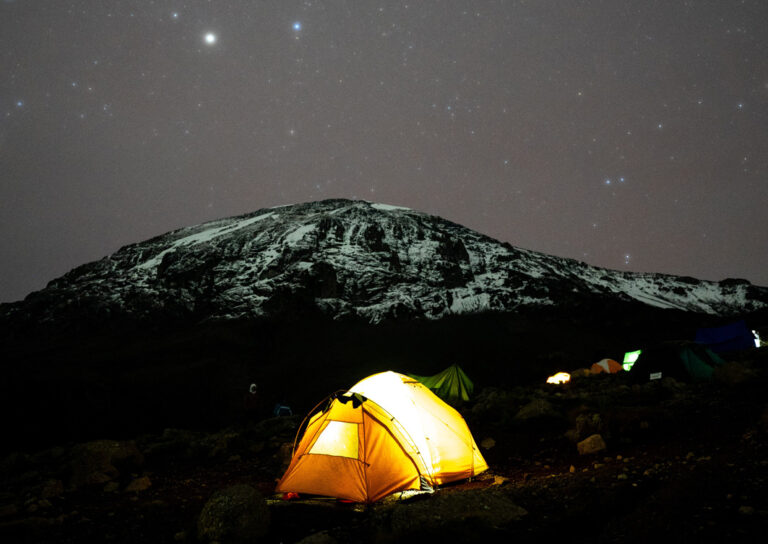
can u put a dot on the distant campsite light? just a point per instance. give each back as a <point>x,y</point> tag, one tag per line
<point>630,358</point>
<point>757,338</point>
<point>560,377</point>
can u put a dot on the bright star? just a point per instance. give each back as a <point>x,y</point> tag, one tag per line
<point>175,15</point>
<point>210,38</point>
<point>19,103</point>
<point>297,26</point>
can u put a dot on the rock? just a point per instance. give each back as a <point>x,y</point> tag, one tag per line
<point>8,510</point>
<point>492,401</point>
<point>734,373</point>
<point>219,444</point>
<point>111,487</point>
<point>448,512</point>
<point>592,444</point>
<point>323,537</point>
<point>537,408</point>
<point>499,480</point>
<point>585,425</point>
<point>235,514</point>
<point>139,484</point>
<point>746,510</point>
<point>173,443</point>
<point>52,488</point>
<point>487,443</point>
<point>284,453</point>
<point>100,461</point>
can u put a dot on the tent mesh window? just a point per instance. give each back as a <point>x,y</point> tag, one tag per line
<point>339,438</point>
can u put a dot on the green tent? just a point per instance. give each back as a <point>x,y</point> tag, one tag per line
<point>452,384</point>
<point>681,360</point>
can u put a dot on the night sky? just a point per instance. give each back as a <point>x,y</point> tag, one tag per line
<point>628,134</point>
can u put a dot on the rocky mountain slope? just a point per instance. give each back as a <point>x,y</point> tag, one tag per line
<point>349,259</point>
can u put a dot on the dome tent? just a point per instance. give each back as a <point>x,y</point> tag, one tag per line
<point>388,433</point>
<point>609,366</point>
<point>726,338</point>
<point>441,434</point>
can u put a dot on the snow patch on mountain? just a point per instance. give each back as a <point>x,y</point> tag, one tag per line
<point>354,259</point>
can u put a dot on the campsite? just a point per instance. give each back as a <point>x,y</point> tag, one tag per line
<point>679,457</point>
<point>342,371</point>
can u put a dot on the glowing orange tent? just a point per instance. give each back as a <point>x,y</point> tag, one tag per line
<point>608,366</point>
<point>388,433</point>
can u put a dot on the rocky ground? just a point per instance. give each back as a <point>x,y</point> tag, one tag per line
<point>596,460</point>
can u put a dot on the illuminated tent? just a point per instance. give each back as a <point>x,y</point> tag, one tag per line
<point>388,433</point>
<point>630,358</point>
<point>608,366</point>
<point>451,385</point>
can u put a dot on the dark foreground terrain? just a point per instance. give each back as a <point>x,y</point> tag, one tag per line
<point>686,462</point>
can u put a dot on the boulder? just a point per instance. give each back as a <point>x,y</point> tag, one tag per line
<point>52,488</point>
<point>233,515</point>
<point>100,461</point>
<point>586,425</point>
<point>591,444</point>
<point>139,484</point>
<point>322,537</point>
<point>734,373</point>
<point>445,513</point>
<point>487,443</point>
<point>535,409</point>
<point>284,454</point>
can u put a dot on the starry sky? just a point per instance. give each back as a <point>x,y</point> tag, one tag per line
<point>627,134</point>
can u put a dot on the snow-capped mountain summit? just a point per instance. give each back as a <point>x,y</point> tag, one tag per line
<point>351,259</point>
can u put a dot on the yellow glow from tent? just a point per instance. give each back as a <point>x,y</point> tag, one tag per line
<point>339,438</point>
<point>630,358</point>
<point>560,377</point>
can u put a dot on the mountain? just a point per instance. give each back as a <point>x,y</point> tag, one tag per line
<point>348,260</point>
<point>308,299</point>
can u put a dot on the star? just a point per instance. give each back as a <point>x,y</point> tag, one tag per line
<point>297,26</point>
<point>210,38</point>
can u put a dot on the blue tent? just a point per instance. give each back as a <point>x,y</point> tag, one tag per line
<point>731,337</point>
